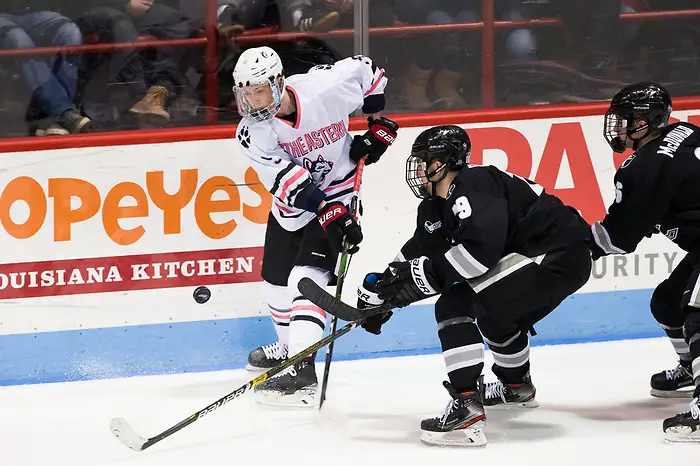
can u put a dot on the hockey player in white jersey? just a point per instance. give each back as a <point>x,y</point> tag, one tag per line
<point>295,133</point>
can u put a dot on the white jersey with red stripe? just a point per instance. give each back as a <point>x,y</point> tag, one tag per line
<point>288,157</point>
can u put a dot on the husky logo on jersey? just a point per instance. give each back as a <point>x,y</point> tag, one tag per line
<point>318,168</point>
<point>431,227</point>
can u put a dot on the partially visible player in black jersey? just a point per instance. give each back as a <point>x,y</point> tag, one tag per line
<point>657,190</point>
<point>502,253</point>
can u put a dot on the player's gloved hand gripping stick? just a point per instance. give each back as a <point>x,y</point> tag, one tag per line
<point>342,271</point>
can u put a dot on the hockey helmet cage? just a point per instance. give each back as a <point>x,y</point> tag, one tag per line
<point>258,83</point>
<point>648,101</point>
<point>450,144</point>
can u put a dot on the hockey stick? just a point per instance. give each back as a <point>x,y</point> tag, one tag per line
<point>334,306</point>
<point>342,272</point>
<point>128,436</point>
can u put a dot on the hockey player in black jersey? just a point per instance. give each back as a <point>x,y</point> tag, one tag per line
<point>657,190</point>
<point>502,253</point>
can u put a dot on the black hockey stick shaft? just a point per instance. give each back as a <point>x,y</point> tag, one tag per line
<point>251,384</point>
<point>334,306</point>
<point>344,266</point>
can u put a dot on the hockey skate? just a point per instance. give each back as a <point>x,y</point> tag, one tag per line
<point>295,387</point>
<point>461,424</point>
<point>266,357</point>
<point>668,384</point>
<point>684,427</point>
<point>504,395</point>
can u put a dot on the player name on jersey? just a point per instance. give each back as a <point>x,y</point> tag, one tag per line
<point>674,139</point>
<point>315,139</point>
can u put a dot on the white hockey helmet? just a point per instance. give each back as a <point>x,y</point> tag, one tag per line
<point>258,83</point>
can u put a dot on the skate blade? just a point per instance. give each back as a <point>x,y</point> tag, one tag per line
<point>518,405</point>
<point>301,399</point>
<point>681,435</point>
<point>680,393</point>
<point>470,437</point>
<point>260,370</point>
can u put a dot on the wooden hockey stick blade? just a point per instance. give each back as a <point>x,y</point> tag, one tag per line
<point>128,436</point>
<point>334,306</point>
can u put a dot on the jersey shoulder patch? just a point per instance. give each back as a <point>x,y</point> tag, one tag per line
<point>252,135</point>
<point>243,135</point>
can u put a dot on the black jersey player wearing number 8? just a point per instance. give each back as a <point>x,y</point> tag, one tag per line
<point>502,253</point>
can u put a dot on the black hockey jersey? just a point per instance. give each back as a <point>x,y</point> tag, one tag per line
<point>657,189</point>
<point>487,215</point>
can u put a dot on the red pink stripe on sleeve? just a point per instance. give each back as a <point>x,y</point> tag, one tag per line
<point>376,82</point>
<point>290,181</point>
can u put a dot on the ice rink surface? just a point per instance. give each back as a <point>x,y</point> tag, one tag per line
<point>595,410</point>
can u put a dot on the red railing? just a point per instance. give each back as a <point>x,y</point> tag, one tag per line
<point>210,40</point>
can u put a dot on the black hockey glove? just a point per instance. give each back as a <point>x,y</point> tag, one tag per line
<point>367,298</point>
<point>339,225</point>
<point>411,281</point>
<point>373,144</point>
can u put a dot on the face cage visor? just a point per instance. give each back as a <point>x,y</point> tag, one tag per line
<point>417,178</point>
<point>259,102</point>
<point>617,131</point>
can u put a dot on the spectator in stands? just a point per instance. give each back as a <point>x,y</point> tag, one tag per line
<point>517,53</point>
<point>631,29</point>
<point>151,76</point>
<point>672,54</point>
<point>439,57</point>
<point>521,44</point>
<point>313,15</point>
<point>591,44</point>
<point>325,15</point>
<point>52,79</point>
<point>235,16</point>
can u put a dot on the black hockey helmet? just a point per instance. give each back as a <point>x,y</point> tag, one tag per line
<point>641,101</point>
<point>449,144</point>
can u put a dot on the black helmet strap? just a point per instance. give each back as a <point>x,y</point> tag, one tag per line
<point>442,170</point>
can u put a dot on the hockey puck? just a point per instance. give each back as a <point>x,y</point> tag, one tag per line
<point>201,294</point>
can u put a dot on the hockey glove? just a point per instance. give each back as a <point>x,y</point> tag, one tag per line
<point>339,225</point>
<point>367,298</point>
<point>373,144</point>
<point>411,281</point>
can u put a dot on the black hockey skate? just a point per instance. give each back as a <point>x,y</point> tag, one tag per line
<point>499,394</point>
<point>295,387</point>
<point>684,427</point>
<point>668,384</point>
<point>461,424</point>
<point>266,357</point>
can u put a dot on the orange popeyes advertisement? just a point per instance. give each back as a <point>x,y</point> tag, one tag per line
<point>150,230</point>
<point>107,209</point>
